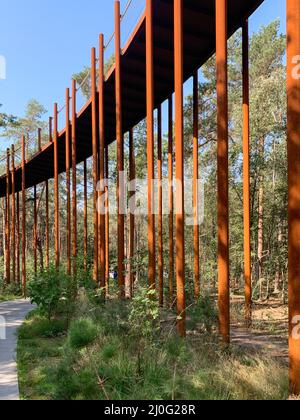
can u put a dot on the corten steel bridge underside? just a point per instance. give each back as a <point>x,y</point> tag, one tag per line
<point>172,40</point>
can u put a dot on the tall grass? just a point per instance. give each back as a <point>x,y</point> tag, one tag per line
<point>99,357</point>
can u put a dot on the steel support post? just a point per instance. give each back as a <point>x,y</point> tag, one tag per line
<point>74,180</point>
<point>179,156</point>
<point>160,210</point>
<point>195,187</point>
<point>68,182</point>
<point>293,121</point>
<point>120,154</point>
<point>150,141</point>
<point>95,162</point>
<point>223,199</point>
<point>246,177</point>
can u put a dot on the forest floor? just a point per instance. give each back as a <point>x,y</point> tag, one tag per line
<point>9,293</point>
<point>116,363</point>
<point>269,332</point>
<point>4,297</point>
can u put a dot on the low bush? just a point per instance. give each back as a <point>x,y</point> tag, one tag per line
<point>203,315</point>
<point>9,291</point>
<point>53,292</point>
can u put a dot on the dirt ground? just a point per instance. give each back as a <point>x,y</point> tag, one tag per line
<point>269,332</point>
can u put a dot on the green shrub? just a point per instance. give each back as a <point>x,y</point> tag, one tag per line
<point>82,333</point>
<point>53,292</point>
<point>144,314</point>
<point>9,291</point>
<point>204,314</point>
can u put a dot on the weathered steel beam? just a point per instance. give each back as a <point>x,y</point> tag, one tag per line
<point>120,154</point>
<point>13,211</point>
<point>132,176</point>
<point>23,218</point>
<point>35,229</point>
<point>74,180</point>
<point>179,156</point>
<point>160,210</point>
<point>246,177</point>
<point>56,191</point>
<point>150,141</point>
<point>101,160</point>
<point>18,241</point>
<point>223,176</point>
<point>68,182</point>
<point>47,223</point>
<point>39,139</point>
<point>171,201</point>
<point>85,217</point>
<point>195,187</point>
<point>7,220</point>
<point>106,222</point>
<point>293,123</point>
<point>95,162</point>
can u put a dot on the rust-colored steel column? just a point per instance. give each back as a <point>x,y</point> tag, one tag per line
<point>195,187</point>
<point>95,162</point>
<point>40,139</point>
<point>293,121</point>
<point>13,211</point>
<point>223,200</point>
<point>171,201</point>
<point>101,159</point>
<point>68,181</point>
<point>74,179</point>
<point>18,240</point>
<point>50,129</point>
<point>160,211</point>
<point>120,154</point>
<point>23,217</point>
<point>7,221</point>
<point>35,229</point>
<point>132,176</point>
<point>246,176</point>
<point>56,189</point>
<point>85,216</point>
<point>179,154</point>
<point>106,222</point>
<point>47,239</point>
<point>47,223</point>
<point>150,141</point>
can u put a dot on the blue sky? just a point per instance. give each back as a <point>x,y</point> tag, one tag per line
<point>45,42</point>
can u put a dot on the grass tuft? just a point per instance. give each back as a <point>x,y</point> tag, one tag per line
<point>82,332</point>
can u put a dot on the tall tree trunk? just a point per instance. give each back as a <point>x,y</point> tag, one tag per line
<point>278,265</point>
<point>40,250</point>
<point>260,244</point>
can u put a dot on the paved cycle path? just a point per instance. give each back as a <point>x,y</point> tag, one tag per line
<point>12,315</point>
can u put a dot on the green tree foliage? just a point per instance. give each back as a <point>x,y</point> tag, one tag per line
<point>28,125</point>
<point>6,119</point>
